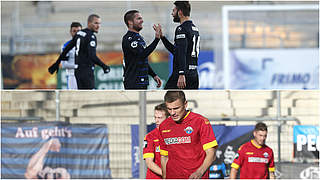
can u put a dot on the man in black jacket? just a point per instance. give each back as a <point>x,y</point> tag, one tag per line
<point>185,50</point>
<point>85,43</point>
<point>135,64</point>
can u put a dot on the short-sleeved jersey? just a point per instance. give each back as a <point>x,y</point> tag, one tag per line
<point>152,150</point>
<point>185,144</point>
<point>70,64</point>
<point>185,50</point>
<point>254,161</point>
<point>135,63</point>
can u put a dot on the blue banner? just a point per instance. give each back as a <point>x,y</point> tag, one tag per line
<point>54,150</point>
<point>306,141</point>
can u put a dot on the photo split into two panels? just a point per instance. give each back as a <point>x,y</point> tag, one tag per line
<point>96,133</point>
<point>256,62</point>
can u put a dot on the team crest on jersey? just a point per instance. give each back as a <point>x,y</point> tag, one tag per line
<point>266,155</point>
<point>93,37</point>
<point>179,28</point>
<point>188,130</point>
<point>93,43</point>
<point>129,38</point>
<point>134,44</point>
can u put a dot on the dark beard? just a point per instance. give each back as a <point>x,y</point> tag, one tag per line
<point>176,18</point>
<point>136,28</point>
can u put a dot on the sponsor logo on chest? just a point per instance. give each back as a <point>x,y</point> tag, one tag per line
<point>258,160</point>
<point>178,140</point>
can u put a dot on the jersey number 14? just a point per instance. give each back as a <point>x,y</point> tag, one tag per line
<point>196,46</point>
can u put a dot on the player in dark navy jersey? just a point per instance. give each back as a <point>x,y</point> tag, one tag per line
<point>185,50</point>
<point>135,52</point>
<point>70,65</point>
<point>85,43</point>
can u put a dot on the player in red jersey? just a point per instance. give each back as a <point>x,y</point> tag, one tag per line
<point>255,159</point>
<point>187,144</point>
<point>151,150</point>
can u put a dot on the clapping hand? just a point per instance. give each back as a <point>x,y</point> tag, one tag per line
<point>158,30</point>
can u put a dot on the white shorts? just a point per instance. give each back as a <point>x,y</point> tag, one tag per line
<point>72,82</point>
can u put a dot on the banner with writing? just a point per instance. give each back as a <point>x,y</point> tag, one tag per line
<point>306,141</point>
<point>54,150</point>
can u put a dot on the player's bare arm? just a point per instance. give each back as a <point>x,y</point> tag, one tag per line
<point>210,157</point>
<point>164,160</point>
<point>233,173</point>
<point>153,166</point>
<point>272,175</point>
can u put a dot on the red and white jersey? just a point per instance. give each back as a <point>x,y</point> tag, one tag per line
<point>185,144</point>
<point>152,150</point>
<point>254,161</point>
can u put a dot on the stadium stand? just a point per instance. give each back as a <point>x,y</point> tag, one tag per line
<point>43,26</point>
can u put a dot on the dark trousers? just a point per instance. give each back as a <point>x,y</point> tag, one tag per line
<point>192,82</point>
<point>85,77</point>
<point>133,86</point>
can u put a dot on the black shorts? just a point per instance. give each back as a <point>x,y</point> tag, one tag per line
<point>85,77</point>
<point>192,82</point>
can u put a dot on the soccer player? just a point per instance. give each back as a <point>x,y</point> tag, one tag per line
<point>255,159</point>
<point>187,144</point>
<point>151,150</point>
<point>70,65</point>
<point>135,52</point>
<point>185,50</point>
<point>85,43</point>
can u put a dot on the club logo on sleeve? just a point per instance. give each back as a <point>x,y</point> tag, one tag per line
<point>266,155</point>
<point>93,44</point>
<point>93,37</point>
<point>134,44</point>
<point>158,149</point>
<point>188,130</point>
